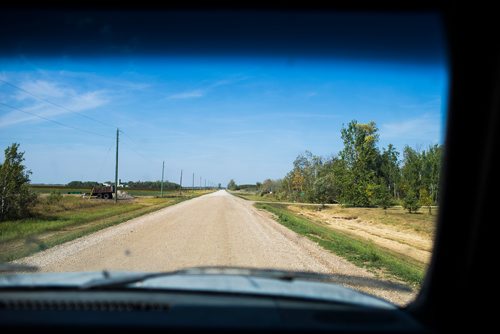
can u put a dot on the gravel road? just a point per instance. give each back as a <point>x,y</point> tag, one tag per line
<point>211,230</point>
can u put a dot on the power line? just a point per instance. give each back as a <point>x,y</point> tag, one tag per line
<point>134,150</point>
<point>130,138</point>
<point>104,162</point>
<point>55,104</point>
<point>53,121</point>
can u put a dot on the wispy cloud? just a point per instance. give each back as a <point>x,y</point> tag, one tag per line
<point>89,100</point>
<point>273,116</point>
<point>193,94</point>
<point>63,95</point>
<point>433,104</point>
<point>138,82</point>
<point>204,90</point>
<point>43,89</point>
<point>424,128</point>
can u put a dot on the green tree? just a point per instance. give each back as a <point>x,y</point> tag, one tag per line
<point>389,169</point>
<point>232,185</point>
<point>326,189</point>
<point>381,196</point>
<point>433,168</point>
<point>411,202</point>
<point>411,172</point>
<point>420,173</point>
<point>306,169</point>
<point>266,187</point>
<point>16,198</point>
<point>361,175</point>
<point>361,159</point>
<point>425,199</point>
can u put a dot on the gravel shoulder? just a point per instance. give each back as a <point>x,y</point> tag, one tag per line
<point>217,229</point>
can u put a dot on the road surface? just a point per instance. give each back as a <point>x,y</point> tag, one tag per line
<point>217,229</point>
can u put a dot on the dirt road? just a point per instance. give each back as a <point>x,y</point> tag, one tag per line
<point>211,230</point>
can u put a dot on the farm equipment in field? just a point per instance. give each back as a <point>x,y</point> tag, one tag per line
<point>104,191</point>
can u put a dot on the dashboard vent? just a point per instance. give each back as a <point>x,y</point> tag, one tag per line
<point>67,305</point>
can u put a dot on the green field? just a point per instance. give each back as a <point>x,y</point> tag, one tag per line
<point>72,217</point>
<point>360,252</point>
<point>133,192</point>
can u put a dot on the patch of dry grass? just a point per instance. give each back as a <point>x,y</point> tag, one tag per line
<point>396,217</point>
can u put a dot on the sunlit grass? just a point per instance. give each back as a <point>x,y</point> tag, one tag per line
<point>73,217</point>
<point>360,252</point>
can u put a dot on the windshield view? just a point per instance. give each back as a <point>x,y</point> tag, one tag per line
<point>313,168</point>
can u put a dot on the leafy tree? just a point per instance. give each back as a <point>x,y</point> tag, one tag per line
<point>342,177</point>
<point>433,168</point>
<point>382,197</point>
<point>232,185</point>
<point>361,158</point>
<point>389,169</point>
<point>16,198</point>
<point>266,187</point>
<point>411,172</point>
<point>326,189</point>
<point>411,202</point>
<point>361,175</point>
<point>421,171</point>
<point>425,199</point>
<point>300,180</point>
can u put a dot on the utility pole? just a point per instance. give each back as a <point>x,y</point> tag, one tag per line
<point>162,172</point>
<point>205,183</point>
<point>200,182</point>
<point>180,189</point>
<point>116,168</point>
<point>193,183</point>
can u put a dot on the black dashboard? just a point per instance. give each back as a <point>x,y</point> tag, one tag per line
<point>136,311</point>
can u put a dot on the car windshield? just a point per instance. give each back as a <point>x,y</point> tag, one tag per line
<point>302,164</point>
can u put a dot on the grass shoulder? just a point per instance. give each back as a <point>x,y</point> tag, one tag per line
<point>360,252</point>
<point>72,217</point>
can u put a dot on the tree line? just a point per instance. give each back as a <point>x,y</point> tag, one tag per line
<point>248,187</point>
<point>141,185</point>
<point>362,174</point>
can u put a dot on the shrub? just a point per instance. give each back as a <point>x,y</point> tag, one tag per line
<point>16,198</point>
<point>411,202</point>
<point>54,197</point>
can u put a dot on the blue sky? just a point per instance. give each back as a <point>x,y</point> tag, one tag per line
<point>219,118</point>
